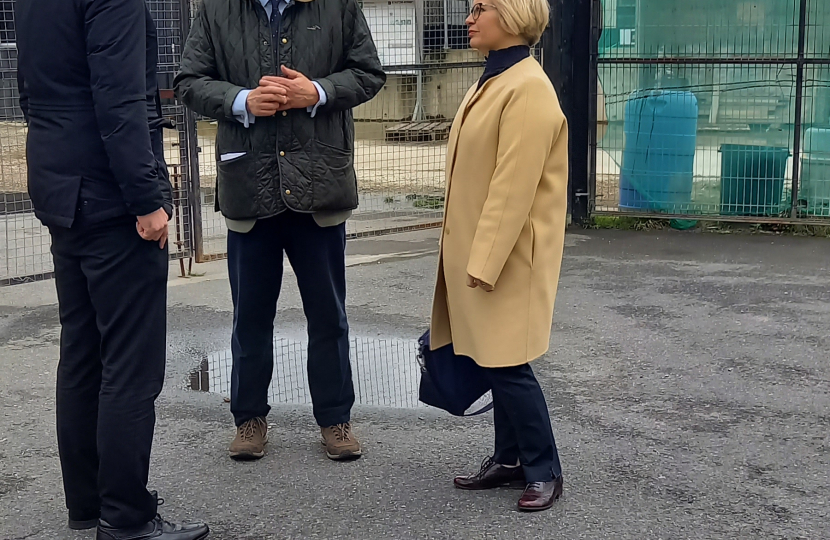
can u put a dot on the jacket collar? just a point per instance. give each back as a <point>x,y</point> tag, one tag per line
<point>264,2</point>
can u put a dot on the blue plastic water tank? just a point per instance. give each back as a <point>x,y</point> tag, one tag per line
<point>658,158</point>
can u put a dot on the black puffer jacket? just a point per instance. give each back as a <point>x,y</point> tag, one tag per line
<point>290,160</point>
<point>87,81</point>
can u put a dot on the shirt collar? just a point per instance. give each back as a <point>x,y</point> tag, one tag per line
<point>278,2</point>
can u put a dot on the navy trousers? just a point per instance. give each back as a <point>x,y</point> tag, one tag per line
<point>112,296</point>
<point>255,262</point>
<point>522,424</point>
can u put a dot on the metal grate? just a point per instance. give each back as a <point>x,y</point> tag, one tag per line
<point>709,106</point>
<point>168,17</point>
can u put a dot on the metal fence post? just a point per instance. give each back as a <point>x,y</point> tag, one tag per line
<point>799,104</point>
<point>567,46</point>
<point>192,146</point>
<point>596,22</point>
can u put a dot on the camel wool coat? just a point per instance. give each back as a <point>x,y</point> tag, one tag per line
<point>504,221</point>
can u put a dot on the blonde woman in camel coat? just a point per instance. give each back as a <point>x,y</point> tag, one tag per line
<point>502,242</point>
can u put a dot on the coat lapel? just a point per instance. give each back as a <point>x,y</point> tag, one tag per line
<point>452,144</point>
<point>473,95</point>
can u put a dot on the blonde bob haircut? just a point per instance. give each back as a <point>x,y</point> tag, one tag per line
<point>526,19</point>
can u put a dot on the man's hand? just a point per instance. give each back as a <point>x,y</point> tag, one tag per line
<point>266,100</point>
<point>300,91</point>
<point>153,227</point>
<point>473,283</point>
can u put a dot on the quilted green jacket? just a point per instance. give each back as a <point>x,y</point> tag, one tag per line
<point>290,160</point>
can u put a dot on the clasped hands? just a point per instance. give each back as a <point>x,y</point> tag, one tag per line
<point>275,94</point>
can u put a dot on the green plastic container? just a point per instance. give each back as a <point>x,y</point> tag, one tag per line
<point>752,179</point>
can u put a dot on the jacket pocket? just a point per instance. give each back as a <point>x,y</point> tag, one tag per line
<point>233,138</point>
<point>334,183</point>
<point>237,187</point>
<point>331,160</point>
<point>532,244</point>
<point>327,147</point>
<point>231,156</point>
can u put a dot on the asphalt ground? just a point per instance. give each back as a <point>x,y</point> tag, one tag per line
<point>688,382</point>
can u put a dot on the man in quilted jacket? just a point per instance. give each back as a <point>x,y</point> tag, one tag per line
<point>281,78</point>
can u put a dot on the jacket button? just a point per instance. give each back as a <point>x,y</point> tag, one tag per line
<point>288,192</point>
<point>285,113</point>
<point>282,154</point>
<point>284,40</point>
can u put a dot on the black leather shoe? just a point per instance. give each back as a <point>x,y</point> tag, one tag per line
<point>82,524</point>
<point>158,529</point>
<point>540,496</point>
<point>491,476</point>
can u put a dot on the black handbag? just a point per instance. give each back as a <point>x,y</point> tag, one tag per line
<point>451,382</point>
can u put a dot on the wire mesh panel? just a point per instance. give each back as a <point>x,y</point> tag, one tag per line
<point>680,148</point>
<point>401,134</point>
<point>24,242</point>
<point>817,32</point>
<point>700,28</point>
<point>168,17</point>
<point>709,107</point>
<point>814,190</point>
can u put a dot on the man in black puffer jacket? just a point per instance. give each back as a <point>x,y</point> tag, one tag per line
<point>281,77</point>
<point>98,180</point>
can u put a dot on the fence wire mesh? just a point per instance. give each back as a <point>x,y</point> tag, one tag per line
<point>24,242</point>
<point>168,17</point>
<point>714,109</point>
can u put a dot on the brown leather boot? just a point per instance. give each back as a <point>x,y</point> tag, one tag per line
<point>340,442</point>
<point>251,438</point>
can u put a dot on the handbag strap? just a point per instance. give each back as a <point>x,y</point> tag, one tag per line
<point>486,408</point>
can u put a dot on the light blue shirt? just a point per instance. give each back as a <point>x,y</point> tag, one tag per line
<point>240,108</point>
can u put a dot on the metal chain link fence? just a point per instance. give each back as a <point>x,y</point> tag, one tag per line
<point>400,146</point>
<point>24,243</point>
<point>714,109</point>
<point>706,109</point>
<point>168,16</point>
